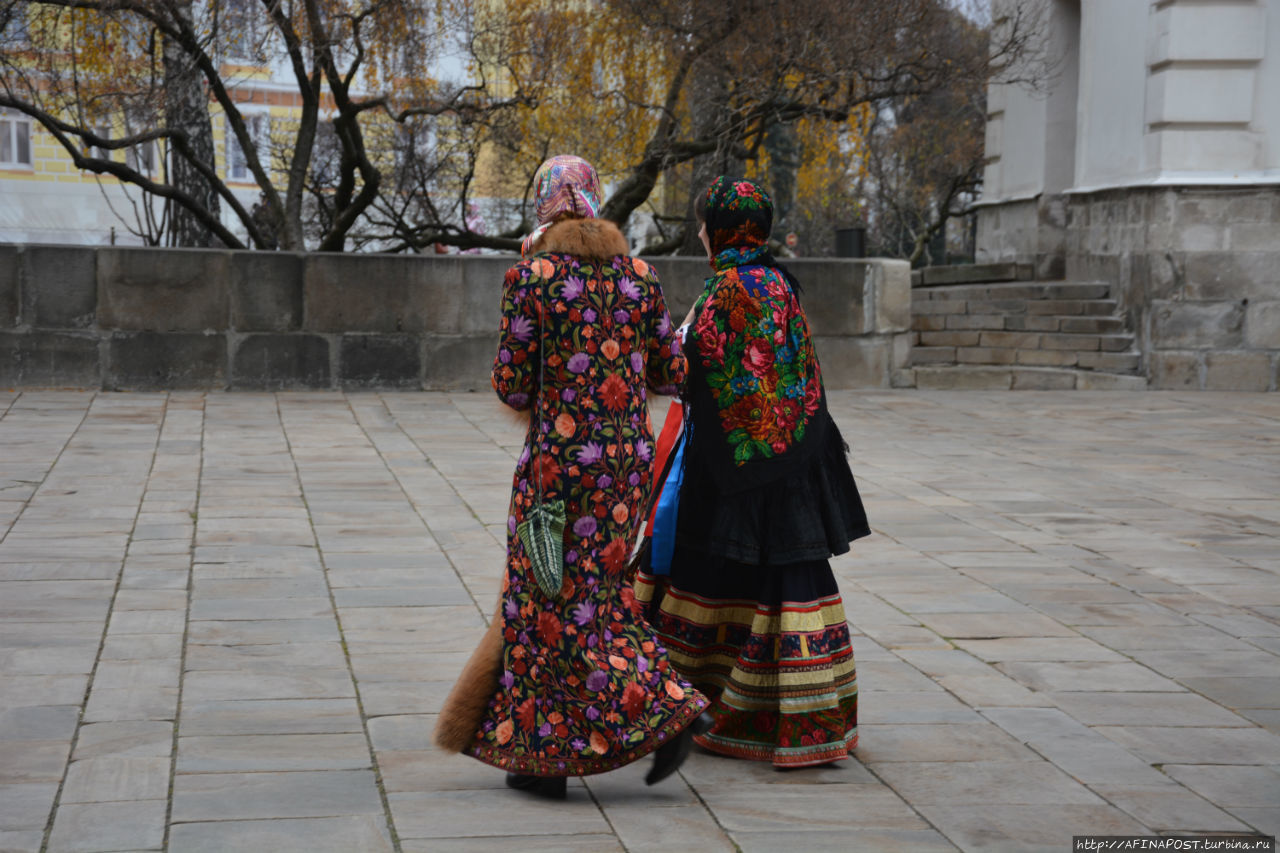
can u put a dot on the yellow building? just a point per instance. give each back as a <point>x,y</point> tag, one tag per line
<point>46,198</point>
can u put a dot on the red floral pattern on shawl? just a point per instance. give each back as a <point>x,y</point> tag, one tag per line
<point>753,342</point>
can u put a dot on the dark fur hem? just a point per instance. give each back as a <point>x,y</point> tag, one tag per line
<point>583,238</point>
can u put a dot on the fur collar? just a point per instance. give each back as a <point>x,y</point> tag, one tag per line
<point>583,238</point>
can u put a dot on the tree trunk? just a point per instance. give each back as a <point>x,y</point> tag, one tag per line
<point>187,109</point>
<point>783,144</point>
<point>710,108</point>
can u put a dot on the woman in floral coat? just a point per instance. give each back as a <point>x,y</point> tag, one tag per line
<point>739,586</point>
<point>584,685</point>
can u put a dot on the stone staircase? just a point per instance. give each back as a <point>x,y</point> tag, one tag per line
<point>1021,335</point>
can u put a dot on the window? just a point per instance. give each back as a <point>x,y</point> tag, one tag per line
<point>96,151</point>
<point>15,139</point>
<point>326,156</point>
<point>243,29</point>
<point>237,165</point>
<point>13,25</point>
<point>142,157</point>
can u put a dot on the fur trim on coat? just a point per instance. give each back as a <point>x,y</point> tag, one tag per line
<point>464,709</point>
<point>583,238</point>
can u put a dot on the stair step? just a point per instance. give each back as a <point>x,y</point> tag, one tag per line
<point>970,273</point>
<point>1016,307</point>
<point>967,336</point>
<point>1111,362</point>
<point>1096,324</point>
<point>1017,326</point>
<point>1022,378</point>
<point>1029,290</point>
<point>1091,325</point>
<point>954,338</point>
<point>1108,362</point>
<point>933,355</point>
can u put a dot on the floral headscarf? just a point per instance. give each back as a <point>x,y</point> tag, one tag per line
<point>563,185</point>
<point>739,216</point>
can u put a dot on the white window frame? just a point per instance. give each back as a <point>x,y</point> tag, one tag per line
<point>326,151</point>
<point>15,132</point>
<point>17,32</point>
<point>246,16</point>
<point>259,126</point>
<point>103,130</point>
<point>144,152</point>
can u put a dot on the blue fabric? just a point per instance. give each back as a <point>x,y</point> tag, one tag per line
<point>664,517</point>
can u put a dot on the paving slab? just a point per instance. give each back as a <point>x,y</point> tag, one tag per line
<point>230,796</point>
<point>471,813</point>
<point>1138,709</point>
<point>26,806</point>
<point>112,778</point>
<point>984,782</point>
<point>244,753</point>
<point>1170,807</point>
<point>129,825</point>
<point>1026,828</point>
<point>352,834</point>
<point>1176,745</point>
<point>1067,621</point>
<point>1232,786</point>
<point>583,843</point>
<point>125,739</point>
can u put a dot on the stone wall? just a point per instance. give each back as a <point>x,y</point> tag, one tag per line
<point>1030,231</point>
<point>1197,270</point>
<point>124,318</point>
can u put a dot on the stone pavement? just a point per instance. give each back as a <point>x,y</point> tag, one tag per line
<point>226,621</point>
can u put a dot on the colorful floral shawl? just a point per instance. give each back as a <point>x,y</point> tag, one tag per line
<point>752,361</point>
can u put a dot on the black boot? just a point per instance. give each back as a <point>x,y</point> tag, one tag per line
<point>549,787</point>
<point>668,757</point>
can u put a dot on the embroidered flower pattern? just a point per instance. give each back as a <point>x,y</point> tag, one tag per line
<point>585,686</point>
<point>752,339</point>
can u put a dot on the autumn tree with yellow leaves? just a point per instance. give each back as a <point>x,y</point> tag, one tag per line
<point>384,154</point>
<point>150,70</point>
<point>678,91</point>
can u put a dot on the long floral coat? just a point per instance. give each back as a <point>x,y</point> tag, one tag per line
<point>586,686</point>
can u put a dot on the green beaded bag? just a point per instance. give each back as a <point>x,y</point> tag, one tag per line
<point>542,531</point>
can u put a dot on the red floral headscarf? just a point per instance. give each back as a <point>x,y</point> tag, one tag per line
<point>738,214</point>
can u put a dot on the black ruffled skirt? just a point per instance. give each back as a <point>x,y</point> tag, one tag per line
<point>810,514</point>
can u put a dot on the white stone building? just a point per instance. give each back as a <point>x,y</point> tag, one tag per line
<point>1151,161</point>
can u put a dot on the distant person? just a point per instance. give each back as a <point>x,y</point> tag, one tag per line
<point>573,681</point>
<point>267,223</point>
<point>758,498</point>
<point>475,223</point>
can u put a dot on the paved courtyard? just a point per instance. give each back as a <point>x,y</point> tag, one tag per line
<point>227,620</point>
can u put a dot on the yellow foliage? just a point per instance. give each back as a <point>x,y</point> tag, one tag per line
<point>833,161</point>
<point>600,86</point>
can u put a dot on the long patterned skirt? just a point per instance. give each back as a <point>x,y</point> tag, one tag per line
<point>770,646</point>
<point>586,686</point>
